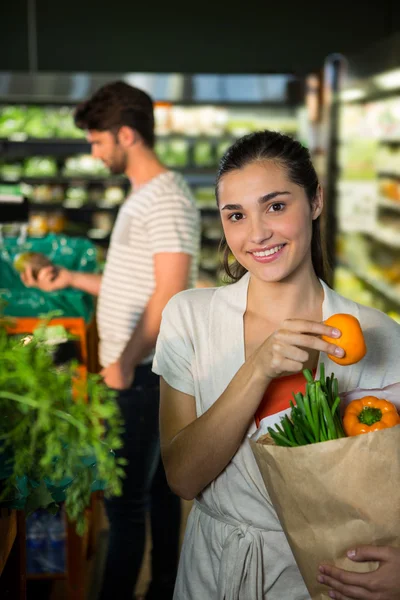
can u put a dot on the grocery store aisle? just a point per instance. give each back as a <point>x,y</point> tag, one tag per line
<point>145,574</point>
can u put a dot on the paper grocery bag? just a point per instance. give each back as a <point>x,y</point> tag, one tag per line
<point>333,496</point>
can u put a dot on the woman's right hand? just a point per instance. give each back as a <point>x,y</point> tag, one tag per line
<point>287,349</point>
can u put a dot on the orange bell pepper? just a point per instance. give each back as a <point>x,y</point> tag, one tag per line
<point>369,414</point>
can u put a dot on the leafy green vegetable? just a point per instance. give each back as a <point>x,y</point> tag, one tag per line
<point>55,429</point>
<point>315,417</point>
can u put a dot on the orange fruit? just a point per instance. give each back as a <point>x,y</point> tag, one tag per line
<point>352,339</point>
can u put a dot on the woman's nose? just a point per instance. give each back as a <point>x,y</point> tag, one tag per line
<point>259,232</point>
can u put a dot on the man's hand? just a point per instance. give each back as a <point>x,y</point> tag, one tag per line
<point>117,376</point>
<point>382,584</point>
<point>46,281</point>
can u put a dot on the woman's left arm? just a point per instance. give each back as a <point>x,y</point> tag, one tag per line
<point>382,584</point>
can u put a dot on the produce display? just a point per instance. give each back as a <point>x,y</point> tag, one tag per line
<point>38,122</point>
<point>368,246</point>
<point>71,192</point>
<point>57,430</point>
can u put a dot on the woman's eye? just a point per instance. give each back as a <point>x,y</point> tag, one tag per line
<point>235,217</point>
<point>277,207</point>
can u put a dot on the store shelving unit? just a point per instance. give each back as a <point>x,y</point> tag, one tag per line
<point>368,184</point>
<point>197,116</point>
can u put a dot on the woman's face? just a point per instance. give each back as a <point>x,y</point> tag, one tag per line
<point>267,220</point>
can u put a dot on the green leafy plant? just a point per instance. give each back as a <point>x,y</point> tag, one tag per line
<point>57,430</point>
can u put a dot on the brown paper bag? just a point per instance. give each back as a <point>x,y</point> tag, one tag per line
<point>333,496</point>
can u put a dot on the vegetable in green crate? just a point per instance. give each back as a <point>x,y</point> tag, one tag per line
<point>315,417</point>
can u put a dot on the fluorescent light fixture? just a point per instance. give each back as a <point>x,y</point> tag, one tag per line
<point>352,94</point>
<point>389,80</point>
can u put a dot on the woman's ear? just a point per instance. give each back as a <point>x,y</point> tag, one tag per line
<point>318,203</point>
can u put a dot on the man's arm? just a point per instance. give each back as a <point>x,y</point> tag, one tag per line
<point>87,282</point>
<point>171,270</point>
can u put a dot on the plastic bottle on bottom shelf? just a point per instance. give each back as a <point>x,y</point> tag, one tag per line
<point>36,538</point>
<point>56,543</point>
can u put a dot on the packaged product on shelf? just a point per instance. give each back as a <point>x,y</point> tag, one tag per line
<point>38,225</point>
<point>42,193</point>
<point>357,159</point>
<point>12,120</point>
<point>203,154</point>
<point>76,195</point>
<point>389,188</point>
<point>40,166</point>
<point>221,148</point>
<point>56,222</point>
<point>63,123</point>
<point>103,221</point>
<point>84,164</point>
<point>174,152</point>
<point>114,195</point>
<point>205,196</point>
<point>10,171</point>
<point>37,124</point>
<point>162,118</point>
<point>211,120</point>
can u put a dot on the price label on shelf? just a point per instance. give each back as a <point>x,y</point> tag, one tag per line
<point>357,206</point>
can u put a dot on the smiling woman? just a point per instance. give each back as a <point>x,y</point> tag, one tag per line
<point>280,168</point>
<point>222,351</point>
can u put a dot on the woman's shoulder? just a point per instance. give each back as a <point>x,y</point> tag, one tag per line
<point>190,302</point>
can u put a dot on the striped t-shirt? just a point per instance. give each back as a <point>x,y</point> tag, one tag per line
<point>159,217</point>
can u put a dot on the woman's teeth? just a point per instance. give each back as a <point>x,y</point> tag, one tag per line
<point>269,252</point>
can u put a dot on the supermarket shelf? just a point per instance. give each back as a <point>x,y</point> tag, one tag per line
<point>57,206</point>
<point>390,142</point>
<point>68,179</point>
<point>94,207</point>
<point>194,175</point>
<point>378,285</point>
<point>386,236</point>
<point>198,177</point>
<point>388,175</point>
<point>387,203</point>
<point>43,147</point>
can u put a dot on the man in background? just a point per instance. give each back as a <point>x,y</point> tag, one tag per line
<point>151,257</point>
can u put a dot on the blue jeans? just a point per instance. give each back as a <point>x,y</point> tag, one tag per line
<point>144,487</point>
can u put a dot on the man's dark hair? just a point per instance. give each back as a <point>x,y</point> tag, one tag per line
<point>115,105</point>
